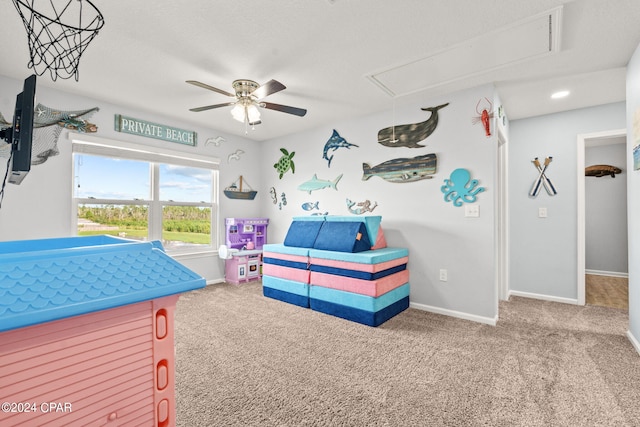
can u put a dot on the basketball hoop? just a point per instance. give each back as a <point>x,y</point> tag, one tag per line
<point>58,35</point>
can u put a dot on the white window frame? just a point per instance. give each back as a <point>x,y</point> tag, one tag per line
<point>91,145</point>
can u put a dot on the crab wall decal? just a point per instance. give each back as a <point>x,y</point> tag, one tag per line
<point>460,188</point>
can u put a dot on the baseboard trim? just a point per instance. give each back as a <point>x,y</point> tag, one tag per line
<point>634,341</point>
<point>544,297</point>
<point>454,313</point>
<point>607,273</point>
<point>214,282</point>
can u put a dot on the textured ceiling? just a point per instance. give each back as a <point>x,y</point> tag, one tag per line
<point>323,50</point>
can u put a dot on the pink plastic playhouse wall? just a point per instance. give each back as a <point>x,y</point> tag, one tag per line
<point>113,367</point>
<point>86,334</point>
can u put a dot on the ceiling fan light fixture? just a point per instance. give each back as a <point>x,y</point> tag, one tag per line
<point>249,95</point>
<point>238,112</point>
<point>246,111</point>
<point>253,114</point>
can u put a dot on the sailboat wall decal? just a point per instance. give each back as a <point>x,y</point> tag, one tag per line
<point>235,191</point>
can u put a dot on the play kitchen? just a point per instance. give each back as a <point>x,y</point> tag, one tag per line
<point>242,251</point>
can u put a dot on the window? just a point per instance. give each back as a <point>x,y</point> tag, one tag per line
<point>126,190</point>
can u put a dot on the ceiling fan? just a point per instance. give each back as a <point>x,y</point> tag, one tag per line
<point>249,96</point>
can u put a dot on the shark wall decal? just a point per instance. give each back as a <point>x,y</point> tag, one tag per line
<point>318,184</point>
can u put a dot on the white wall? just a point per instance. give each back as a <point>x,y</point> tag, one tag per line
<point>633,191</point>
<point>41,206</point>
<point>414,215</point>
<point>606,212</point>
<point>543,255</point>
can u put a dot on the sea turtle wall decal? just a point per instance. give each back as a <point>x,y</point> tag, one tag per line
<point>285,163</point>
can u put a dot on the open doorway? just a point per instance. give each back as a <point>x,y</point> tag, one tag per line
<point>602,221</point>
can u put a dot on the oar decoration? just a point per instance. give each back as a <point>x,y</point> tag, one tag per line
<point>542,178</point>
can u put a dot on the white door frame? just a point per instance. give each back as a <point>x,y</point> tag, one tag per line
<point>582,140</point>
<point>502,209</point>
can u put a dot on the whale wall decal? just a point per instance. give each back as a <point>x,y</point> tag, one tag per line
<point>403,169</point>
<point>410,135</point>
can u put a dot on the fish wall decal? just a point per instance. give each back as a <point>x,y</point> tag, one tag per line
<point>318,184</point>
<point>601,170</point>
<point>335,142</point>
<point>410,134</point>
<point>403,169</point>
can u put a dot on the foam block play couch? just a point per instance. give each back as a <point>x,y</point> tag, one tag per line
<point>338,265</point>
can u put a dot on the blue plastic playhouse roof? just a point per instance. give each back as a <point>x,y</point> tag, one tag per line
<point>51,279</point>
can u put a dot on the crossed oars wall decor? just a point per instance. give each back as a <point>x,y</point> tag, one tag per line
<point>542,178</point>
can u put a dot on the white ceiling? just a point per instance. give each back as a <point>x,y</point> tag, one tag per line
<point>323,51</point>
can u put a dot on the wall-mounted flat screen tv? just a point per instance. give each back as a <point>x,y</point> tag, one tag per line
<point>22,131</point>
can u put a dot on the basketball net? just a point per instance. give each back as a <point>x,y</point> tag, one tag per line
<point>58,35</point>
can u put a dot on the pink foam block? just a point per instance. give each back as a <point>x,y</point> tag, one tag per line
<point>295,274</point>
<point>108,367</point>
<point>369,268</point>
<point>286,257</point>
<point>380,242</point>
<point>373,288</point>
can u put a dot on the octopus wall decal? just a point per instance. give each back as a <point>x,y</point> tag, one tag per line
<point>460,188</point>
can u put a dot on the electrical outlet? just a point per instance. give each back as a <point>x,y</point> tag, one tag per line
<point>542,212</point>
<point>443,275</point>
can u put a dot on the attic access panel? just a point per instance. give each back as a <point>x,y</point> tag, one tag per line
<point>524,40</point>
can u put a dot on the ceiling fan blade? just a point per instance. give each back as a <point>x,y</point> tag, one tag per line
<point>272,86</point>
<point>211,107</point>
<point>205,86</point>
<point>284,108</point>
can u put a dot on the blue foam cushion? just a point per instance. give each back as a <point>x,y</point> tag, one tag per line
<point>361,316</point>
<point>372,222</point>
<point>295,299</point>
<point>309,218</point>
<point>286,285</point>
<point>359,301</point>
<point>280,248</point>
<point>357,274</point>
<point>285,263</point>
<point>343,237</point>
<point>302,234</point>
<point>375,256</point>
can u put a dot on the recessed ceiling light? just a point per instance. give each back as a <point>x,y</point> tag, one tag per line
<point>560,94</point>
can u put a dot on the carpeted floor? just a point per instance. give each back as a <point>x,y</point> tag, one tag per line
<point>246,360</point>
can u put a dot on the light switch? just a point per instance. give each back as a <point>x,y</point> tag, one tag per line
<point>471,211</point>
<point>542,212</point>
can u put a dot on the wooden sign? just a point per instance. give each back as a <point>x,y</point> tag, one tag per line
<point>153,130</point>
